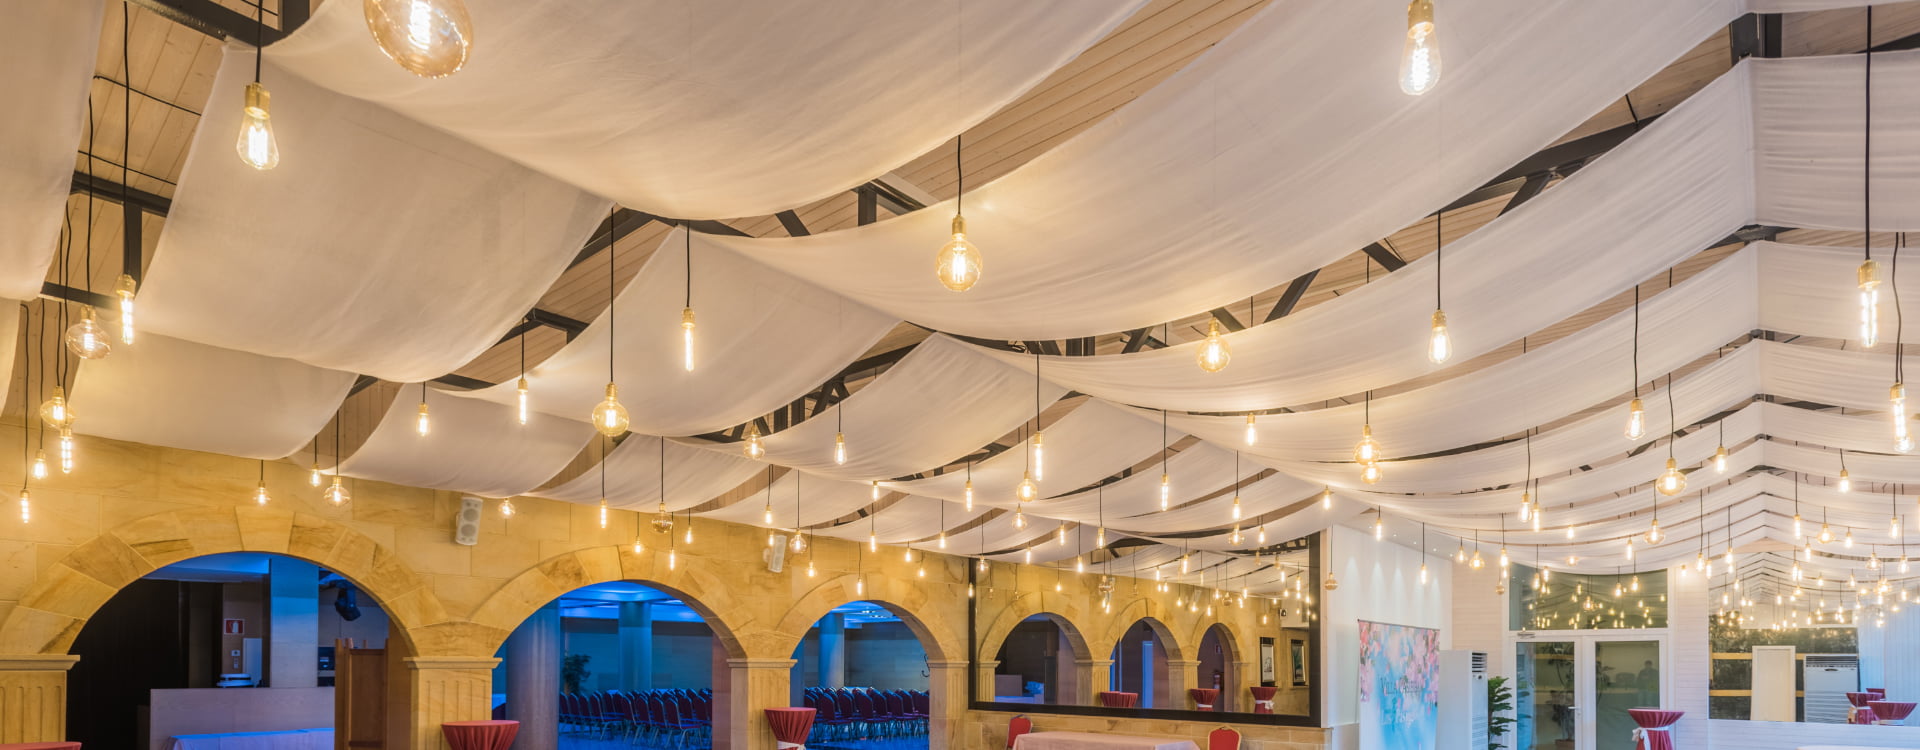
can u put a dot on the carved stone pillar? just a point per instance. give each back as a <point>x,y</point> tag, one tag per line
<point>1180,677</point>
<point>446,688</point>
<point>33,697</point>
<point>946,703</point>
<point>754,685</point>
<point>1093,676</point>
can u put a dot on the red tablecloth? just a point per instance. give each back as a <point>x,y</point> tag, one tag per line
<point>1656,728</point>
<point>62,745</point>
<point>790,726</point>
<point>491,734</point>
<point>1204,699</point>
<point>1890,711</point>
<point>1117,699</point>
<point>1859,700</point>
<point>1263,698</point>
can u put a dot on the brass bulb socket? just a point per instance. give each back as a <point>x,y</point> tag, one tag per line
<point>1419,12</point>
<point>257,99</point>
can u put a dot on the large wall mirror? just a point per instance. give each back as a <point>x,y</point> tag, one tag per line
<point>1136,628</point>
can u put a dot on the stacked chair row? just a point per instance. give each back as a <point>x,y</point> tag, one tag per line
<point>866,713</point>
<point>672,718</point>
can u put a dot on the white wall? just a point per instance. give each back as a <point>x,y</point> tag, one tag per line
<point>1379,581</point>
<point>1729,734</point>
<point>222,710</point>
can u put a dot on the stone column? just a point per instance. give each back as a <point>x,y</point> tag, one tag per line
<point>753,685</point>
<point>293,627</point>
<point>636,645</point>
<point>1093,676</point>
<point>983,679</point>
<point>1240,676</point>
<point>533,679</point>
<point>946,703</point>
<point>1180,677</point>
<point>833,651</point>
<point>446,688</point>
<point>33,697</point>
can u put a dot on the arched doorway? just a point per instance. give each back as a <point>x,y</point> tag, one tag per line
<point>865,671</point>
<point>1038,662</point>
<point>1219,668</point>
<point>175,651</point>
<point>611,664</point>
<point>1140,666</point>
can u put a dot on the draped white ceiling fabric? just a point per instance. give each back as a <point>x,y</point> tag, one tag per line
<point>181,394</point>
<point>1256,498</point>
<point>474,447</point>
<point>996,534</point>
<point>10,322</point>
<point>811,500</point>
<point>762,339</point>
<point>704,110</point>
<point>633,481</point>
<point>47,48</point>
<point>378,245</point>
<point>1258,162</point>
<point>941,401</point>
<point>1095,441</point>
<point>911,519</point>
<point>1199,470</point>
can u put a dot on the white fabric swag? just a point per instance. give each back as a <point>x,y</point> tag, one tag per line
<point>377,246</point>
<point>705,110</point>
<point>910,519</point>
<point>633,481</point>
<point>1193,473</point>
<point>473,447</point>
<point>797,500</point>
<point>761,339</point>
<point>1258,162</point>
<point>48,48</point>
<point>1095,441</point>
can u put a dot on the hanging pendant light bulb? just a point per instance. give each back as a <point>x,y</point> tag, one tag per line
<point>1214,353</point>
<point>873,489</point>
<point>1367,450</point>
<point>1526,505</point>
<point>1720,460</point>
<point>1460,554</point>
<point>840,448</point>
<point>337,492</point>
<point>521,390</point>
<point>1379,526</point>
<point>1476,563</point>
<point>256,145</point>
<point>603,513</point>
<point>1868,277</point>
<point>423,424</point>
<point>686,338</point>
<point>506,507</point>
<point>1166,491</point>
<point>1253,433</point>
<point>1846,482</point>
<point>1420,59</point>
<point>40,464</point>
<point>125,288</point>
<point>86,339</point>
<point>609,417</point>
<point>1636,419</point>
<point>969,496</point>
<point>430,38</point>
<point>958,264</point>
<point>1326,497</point>
<point>54,412</point>
<point>1019,519</point>
<point>1423,574</point>
<point>1536,520</point>
<point>313,476</point>
<point>1505,560</point>
<point>1897,396</point>
<point>66,450</point>
<point>1236,507</point>
<point>1629,549</point>
<point>1060,534</point>
<point>1653,533</point>
<point>1848,541</point>
<point>753,447</point>
<point>1371,474</point>
<point>1672,481</point>
<point>26,506</point>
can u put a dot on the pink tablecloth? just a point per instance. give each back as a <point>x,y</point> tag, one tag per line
<point>1090,741</point>
<point>1117,699</point>
<point>790,726</point>
<point>1263,698</point>
<point>488,734</point>
<point>1890,712</point>
<point>1204,699</point>
<point>1656,728</point>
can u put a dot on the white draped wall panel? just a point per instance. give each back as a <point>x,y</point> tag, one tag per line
<point>939,402</point>
<point>47,48</point>
<point>633,479</point>
<point>705,110</point>
<point>762,339</point>
<point>1095,441</point>
<point>474,447</point>
<point>180,394</point>
<point>1241,172</point>
<point>378,245</point>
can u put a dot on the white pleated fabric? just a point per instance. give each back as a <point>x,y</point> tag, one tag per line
<point>1308,519</point>
<point>996,534</point>
<point>10,320</point>
<point>47,48</point>
<point>1256,163</point>
<point>701,110</point>
<point>941,401</point>
<point>912,519</point>
<point>180,394</point>
<point>1256,498</point>
<point>761,339</point>
<point>633,479</point>
<point>378,245</point>
<point>797,496</point>
<point>1199,470</point>
<point>1095,441</point>
<point>474,447</point>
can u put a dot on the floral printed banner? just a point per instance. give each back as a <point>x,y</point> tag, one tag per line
<point>1399,692</point>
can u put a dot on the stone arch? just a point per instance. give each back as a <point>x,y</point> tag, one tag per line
<point>1232,662</point>
<point>904,599</point>
<point>52,612</point>
<point>1029,605</point>
<point>692,582</point>
<point>1157,615</point>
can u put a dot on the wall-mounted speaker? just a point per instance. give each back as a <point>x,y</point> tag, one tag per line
<point>466,523</point>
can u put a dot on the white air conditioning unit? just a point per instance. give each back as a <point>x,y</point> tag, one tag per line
<point>1463,701</point>
<point>1828,678</point>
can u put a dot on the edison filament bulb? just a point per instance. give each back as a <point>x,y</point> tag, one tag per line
<point>1636,419</point>
<point>256,145</point>
<point>521,390</point>
<point>1526,506</point>
<point>1420,58</point>
<point>1826,534</point>
<point>260,496</point>
<point>1019,519</point>
<point>969,495</point>
<point>603,513</point>
<point>873,489</point>
<point>313,476</point>
<point>686,338</point>
<point>609,417</point>
<point>1371,474</point>
<point>1379,527</point>
<point>506,507</point>
<point>66,450</point>
<point>1439,345</point>
<point>86,339</point>
<point>1166,491</point>
<point>1039,455</point>
<point>753,447</point>
<point>1214,353</point>
<point>55,412</point>
<point>1253,433</point>
<point>1869,281</point>
<point>1653,532</point>
<point>1423,574</point>
<point>958,264</point>
<point>1326,498</point>
<point>422,423</point>
<point>1720,460</point>
<point>40,464</point>
<point>840,448</point>
<point>1367,450</point>
<point>430,38</point>
<point>337,492</point>
<point>1672,481</point>
<point>125,288</point>
<point>26,506</point>
<point>1897,397</point>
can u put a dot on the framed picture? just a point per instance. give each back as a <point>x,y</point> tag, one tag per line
<point>1298,650</point>
<point>1267,675</point>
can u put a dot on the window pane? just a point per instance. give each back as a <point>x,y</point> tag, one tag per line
<point>1555,600</point>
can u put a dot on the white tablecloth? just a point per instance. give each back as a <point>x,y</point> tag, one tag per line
<point>1091,741</point>
<point>293,739</point>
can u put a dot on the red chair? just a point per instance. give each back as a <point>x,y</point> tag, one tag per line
<point>1224,738</point>
<point>1017,726</point>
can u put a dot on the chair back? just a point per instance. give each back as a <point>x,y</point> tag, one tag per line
<point>1017,726</point>
<point>1224,738</point>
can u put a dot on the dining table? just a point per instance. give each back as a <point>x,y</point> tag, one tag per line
<point>791,725</point>
<point>485,734</point>
<point>1092,741</point>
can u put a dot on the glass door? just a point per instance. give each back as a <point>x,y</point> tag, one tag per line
<point>1544,696</point>
<point>1626,674</point>
<point>1573,693</point>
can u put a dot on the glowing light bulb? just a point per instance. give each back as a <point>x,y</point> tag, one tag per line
<point>1420,59</point>
<point>958,264</point>
<point>873,489</point>
<point>1636,419</point>
<point>673,558</point>
<point>55,412</point>
<point>1476,563</point>
<point>1629,549</point>
<point>1060,534</point>
<point>337,492</point>
<point>943,540</point>
<point>1439,346</point>
<point>603,512</point>
<point>313,476</point>
<point>1079,565</point>
<point>1672,481</point>
<point>1261,536</point>
<point>506,507</point>
<point>1798,533</point>
<point>1039,456</point>
<point>521,389</point>
<point>798,542</point>
<point>1326,498</point>
<point>1653,533</point>
<point>1236,507</point>
<point>1869,280</point>
<point>1846,482</point>
<point>1423,574</point>
<point>1848,541</point>
<point>1379,528</point>
<point>1504,559</point>
<point>1019,519</point>
<point>1634,585</point>
<point>1569,531</point>
<point>1166,491</point>
<point>686,338</point>
<point>969,591</point>
<point>1720,460</point>
<point>1897,396</point>
<point>1536,520</point>
<point>86,339</point>
<point>1367,450</point>
<point>430,38</point>
<point>66,450</point>
<point>810,572</point>
<point>260,496</point>
<point>840,448</point>
<point>753,448</point>
<point>255,144</point>
<point>609,417</point>
<point>1371,474</point>
<point>422,423</point>
<point>766,515</point>
<point>1027,555</point>
<point>1253,433</point>
<point>1460,555</point>
<point>124,288</point>
<point>1214,353</point>
<point>1186,564</point>
<point>969,495</point>
<point>873,542</point>
<point>40,464</point>
<point>26,506</point>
